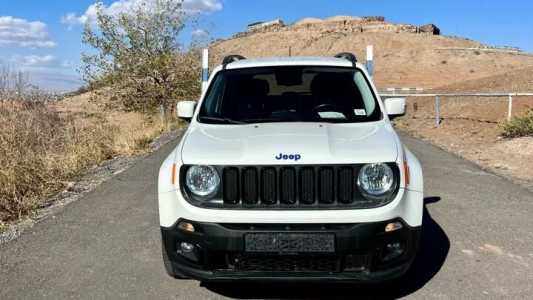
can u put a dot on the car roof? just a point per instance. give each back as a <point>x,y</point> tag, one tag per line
<point>290,61</point>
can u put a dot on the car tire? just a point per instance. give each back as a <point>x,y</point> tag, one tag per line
<point>169,267</point>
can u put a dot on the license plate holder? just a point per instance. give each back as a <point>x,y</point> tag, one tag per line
<point>287,243</point>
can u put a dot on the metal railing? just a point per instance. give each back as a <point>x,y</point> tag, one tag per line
<point>509,97</point>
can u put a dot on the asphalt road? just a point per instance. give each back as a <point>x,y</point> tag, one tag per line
<point>477,243</point>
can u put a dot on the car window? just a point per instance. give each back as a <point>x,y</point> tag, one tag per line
<point>290,94</point>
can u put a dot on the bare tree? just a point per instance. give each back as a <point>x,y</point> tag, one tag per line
<point>4,79</point>
<point>16,85</point>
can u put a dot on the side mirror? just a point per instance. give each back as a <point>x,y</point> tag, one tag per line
<point>186,110</point>
<point>395,107</point>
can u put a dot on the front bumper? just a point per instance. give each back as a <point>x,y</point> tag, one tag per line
<point>219,252</point>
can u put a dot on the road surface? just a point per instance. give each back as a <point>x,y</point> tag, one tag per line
<point>477,243</point>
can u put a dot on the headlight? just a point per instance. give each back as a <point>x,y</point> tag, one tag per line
<point>376,180</point>
<point>202,180</point>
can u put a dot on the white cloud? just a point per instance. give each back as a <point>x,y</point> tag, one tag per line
<point>199,6</point>
<point>124,6</point>
<point>68,64</point>
<point>23,33</point>
<point>35,60</point>
<point>40,62</point>
<point>199,34</point>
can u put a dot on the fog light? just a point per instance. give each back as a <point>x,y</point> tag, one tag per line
<point>393,226</point>
<point>186,247</point>
<point>392,251</point>
<point>189,251</point>
<point>186,226</point>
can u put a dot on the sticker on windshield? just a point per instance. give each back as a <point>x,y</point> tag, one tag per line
<point>331,115</point>
<point>359,112</point>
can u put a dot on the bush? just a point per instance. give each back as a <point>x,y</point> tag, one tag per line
<point>44,147</point>
<point>40,151</point>
<point>519,126</point>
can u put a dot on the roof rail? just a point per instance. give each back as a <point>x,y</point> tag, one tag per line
<point>348,56</point>
<point>231,58</point>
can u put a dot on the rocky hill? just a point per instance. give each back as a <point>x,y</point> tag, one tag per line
<point>405,55</point>
<point>520,80</point>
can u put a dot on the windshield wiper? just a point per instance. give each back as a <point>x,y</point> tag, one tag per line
<point>264,120</point>
<point>220,120</point>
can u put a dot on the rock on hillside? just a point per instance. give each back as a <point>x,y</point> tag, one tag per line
<point>404,55</point>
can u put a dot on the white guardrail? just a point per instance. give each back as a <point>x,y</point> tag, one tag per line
<point>509,97</point>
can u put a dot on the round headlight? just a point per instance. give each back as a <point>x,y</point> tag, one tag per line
<point>375,180</point>
<point>202,180</point>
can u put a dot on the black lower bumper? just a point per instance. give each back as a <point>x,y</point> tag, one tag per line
<point>362,252</point>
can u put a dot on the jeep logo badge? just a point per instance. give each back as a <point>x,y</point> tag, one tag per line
<point>295,157</point>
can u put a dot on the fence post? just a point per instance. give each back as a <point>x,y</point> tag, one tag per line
<point>510,109</point>
<point>437,111</point>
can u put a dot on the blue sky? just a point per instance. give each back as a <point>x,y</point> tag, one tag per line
<point>43,37</point>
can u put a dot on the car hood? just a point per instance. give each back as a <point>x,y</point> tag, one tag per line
<point>289,143</point>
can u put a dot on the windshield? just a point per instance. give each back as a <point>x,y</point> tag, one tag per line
<point>289,94</point>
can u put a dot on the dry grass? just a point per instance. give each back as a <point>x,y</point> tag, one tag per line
<point>135,130</point>
<point>43,147</point>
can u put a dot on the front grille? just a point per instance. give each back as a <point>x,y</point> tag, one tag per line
<point>307,185</point>
<point>230,180</point>
<point>291,187</point>
<point>287,191</point>
<point>242,262</point>
<point>326,185</point>
<point>250,193</point>
<point>287,263</point>
<point>269,186</point>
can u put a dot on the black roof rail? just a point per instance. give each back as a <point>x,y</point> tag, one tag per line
<point>348,56</point>
<point>231,58</point>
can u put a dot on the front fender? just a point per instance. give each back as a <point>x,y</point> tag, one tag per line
<point>416,178</point>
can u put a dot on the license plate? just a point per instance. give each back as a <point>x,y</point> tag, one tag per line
<point>290,242</point>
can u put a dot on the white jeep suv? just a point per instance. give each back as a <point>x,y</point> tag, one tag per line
<point>290,170</point>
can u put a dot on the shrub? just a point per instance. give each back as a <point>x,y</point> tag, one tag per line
<point>519,126</point>
<point>40,152</point>
<point>43,146</point>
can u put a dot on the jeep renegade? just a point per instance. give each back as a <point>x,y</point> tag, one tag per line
<point>290,169</point>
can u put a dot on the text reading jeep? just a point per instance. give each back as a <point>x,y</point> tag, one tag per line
<point>290,170</point>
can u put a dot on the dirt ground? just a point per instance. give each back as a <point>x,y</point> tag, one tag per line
<point>471,128</point>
